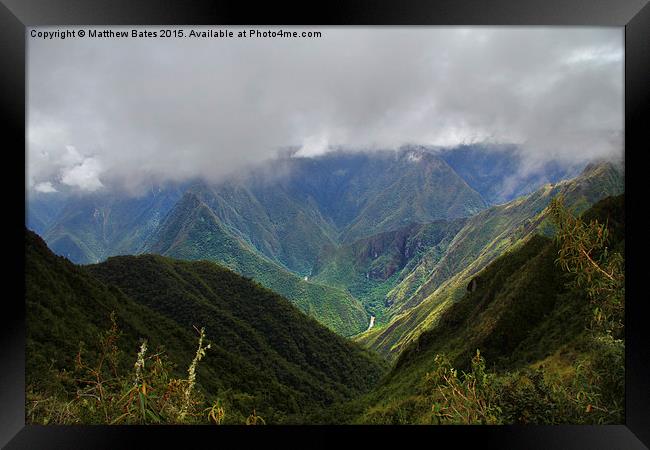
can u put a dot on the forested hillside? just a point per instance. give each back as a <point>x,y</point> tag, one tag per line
<point>545,356</point>
<point>192,231</point>
<point>265,355</point>
<point>437,281</point>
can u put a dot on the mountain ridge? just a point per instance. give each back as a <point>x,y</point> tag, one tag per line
<point>265,354</point>
<point>292,225</point>
<point>484,237</point>
<point>192,231</point>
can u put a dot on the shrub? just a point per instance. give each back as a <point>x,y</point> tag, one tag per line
<point>146,395</point>
<point>585,253</point>
<point>466,399</point>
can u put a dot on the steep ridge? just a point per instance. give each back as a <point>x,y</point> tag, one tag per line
<point>522,315</point>
<point>371,267</point>
<point>336,198</point>
<point>299,225</point>
<point>489,234</point>
<point>192,231</point>
<point>498,172</point>
<point>88,229</point>
<point>427,189</point>
<point>265,355</point>
<point>267,218</point>
<point>291,207</point>
<point>270,222</point>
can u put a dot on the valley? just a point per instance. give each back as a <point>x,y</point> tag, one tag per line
<point>344,236</point>
<point>325,285</point>
<point>403,225</point>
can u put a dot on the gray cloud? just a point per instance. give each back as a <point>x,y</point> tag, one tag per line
<point>121,111</point>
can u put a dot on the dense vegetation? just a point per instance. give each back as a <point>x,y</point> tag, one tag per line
<point>438,281</point>
<point>371,267</point>
<point>192,231</point>
<point>309,228</point>
<point>88,229</point>
<point>265,355</point>
<point>269,223</point>
<point>528,326</point>
<point>548,353</point>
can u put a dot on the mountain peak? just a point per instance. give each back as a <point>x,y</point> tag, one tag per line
<point>601,165</point>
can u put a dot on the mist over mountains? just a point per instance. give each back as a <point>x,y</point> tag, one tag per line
<point>343,235</point>
<point>403,294</point>
<point>289,208</point>
<point>183,108</point>
<point>390,225</point>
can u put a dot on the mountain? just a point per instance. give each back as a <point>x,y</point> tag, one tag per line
<point>531,328</point>
<point>285,229</point>
<point>293,207</point>
<point>417,187</point>
<point>192,231</point>
<point>265,354</point>
<point>269,223</point>
<point>499,172</point>
<point>287,209</point>
<point>418,300</point>
<point>89,228</point>
<point>365,193</point>
<point>43,209</point>
<point>370,267</point>
<point>309,228</point>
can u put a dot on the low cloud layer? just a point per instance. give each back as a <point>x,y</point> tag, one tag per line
<point>120,112</point>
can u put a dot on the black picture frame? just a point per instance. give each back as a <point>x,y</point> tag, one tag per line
<point>16,15</point>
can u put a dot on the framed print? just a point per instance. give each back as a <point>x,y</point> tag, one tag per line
<point>369,220</point>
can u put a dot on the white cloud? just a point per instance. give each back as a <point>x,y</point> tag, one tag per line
<point>170,109</point>
<point>45,187</point>
<point>314,146</point>
<point>84,176</point>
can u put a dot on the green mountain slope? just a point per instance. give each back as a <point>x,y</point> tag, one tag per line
<point>265,353</point>
<point>267,218</point>
<point>521,314</point>
<point>294,207</point>
<point>417,304</point>
<point>421,188</point>
<point>192,231</point>
<point>371,267</point>
<point>91,228</point>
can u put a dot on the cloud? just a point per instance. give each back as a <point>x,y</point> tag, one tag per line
<point>45,187</point>
<point>84,175</point>
<point>142,110</point>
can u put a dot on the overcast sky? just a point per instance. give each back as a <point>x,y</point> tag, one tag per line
<point>106,112</point>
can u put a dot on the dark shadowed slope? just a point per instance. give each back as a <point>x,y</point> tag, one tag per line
<point>265,353</point>
<point>419,299</point>
<point>528,322</point>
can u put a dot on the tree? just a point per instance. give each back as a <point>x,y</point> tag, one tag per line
<point>584,251</point>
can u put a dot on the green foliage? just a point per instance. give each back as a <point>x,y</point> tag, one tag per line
<point>466,399</point>
<point>439,281</point>
<point>420,188</point>
<point>591,394</point>
<point>584,252</point>
<point>87,229</point>
<point>526,314</point>
<point>265,354</point>
<point>102,394</point>
<point>371,267</point>
<point>531,322</point>
<point>192,231</point>
<point>514,295</point>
